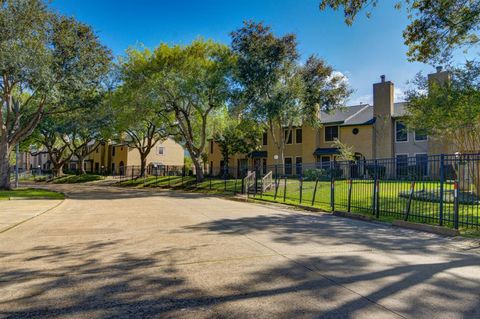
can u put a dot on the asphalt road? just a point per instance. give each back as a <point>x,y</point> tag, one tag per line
<point>111,253</point>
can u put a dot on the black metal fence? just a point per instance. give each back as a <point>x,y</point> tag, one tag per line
<point>441,189</point>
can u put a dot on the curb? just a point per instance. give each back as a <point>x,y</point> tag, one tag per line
<point>427,228</point>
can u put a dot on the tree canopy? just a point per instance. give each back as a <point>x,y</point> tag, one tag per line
<point>45,59</point>
<point>436,28</point>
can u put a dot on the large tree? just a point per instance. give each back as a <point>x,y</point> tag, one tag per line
<point>437,27</point>
<point>236,136</point>
<point>275,89</point>
<point>43,57</point>
<point>188,84</point>
<point>450,112</point>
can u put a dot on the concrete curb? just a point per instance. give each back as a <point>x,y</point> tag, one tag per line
<point>355,216</point>
<point>427,228</point>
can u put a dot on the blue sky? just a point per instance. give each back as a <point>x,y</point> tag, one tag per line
<point>362,52</point>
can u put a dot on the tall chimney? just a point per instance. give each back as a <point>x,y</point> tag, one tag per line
<point>383,95</point>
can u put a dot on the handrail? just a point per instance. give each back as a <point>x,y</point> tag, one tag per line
<point>267,181</point>
<point>250,177</point>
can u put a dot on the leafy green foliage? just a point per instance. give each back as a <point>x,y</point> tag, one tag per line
<point>436,27</point>
<point>449,110</point>
<point>274,89</point>
<point>46,61</point>
<point>238,137</point>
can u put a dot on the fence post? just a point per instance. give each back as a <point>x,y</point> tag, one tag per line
<point>277,184</point>
<point>377,212</point>
<point>285,189</point>
<point>455,205</point>
<point>243,185</point>
<point>442,185</point>
<point>349,203</point>
<point>374,197</point>
<point>332,188</point>
<point>409,202</point>
<point>224,178</point>
<point>301,188</point>
<point>315,192</point>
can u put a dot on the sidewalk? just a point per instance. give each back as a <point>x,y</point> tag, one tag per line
<point>14,212</point>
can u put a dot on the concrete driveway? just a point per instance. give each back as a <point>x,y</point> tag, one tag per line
<point>113,253</point>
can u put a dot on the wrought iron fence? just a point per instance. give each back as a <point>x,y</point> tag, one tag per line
<point>439,189</point>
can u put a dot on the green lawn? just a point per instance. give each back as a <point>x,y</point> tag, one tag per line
<point>29,193</point>
<point>391,205</point>
<point>74,179</point>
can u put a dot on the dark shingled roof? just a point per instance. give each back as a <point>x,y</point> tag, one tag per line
<point>350,115</point>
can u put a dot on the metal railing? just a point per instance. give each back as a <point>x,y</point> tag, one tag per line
<point>439,189</point>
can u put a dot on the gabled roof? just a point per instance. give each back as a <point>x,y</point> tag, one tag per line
<point>350,115</point>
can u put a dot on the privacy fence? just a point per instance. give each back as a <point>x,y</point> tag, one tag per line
<point>439,189</point>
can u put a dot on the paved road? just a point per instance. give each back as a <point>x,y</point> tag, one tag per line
<point>110,253</point>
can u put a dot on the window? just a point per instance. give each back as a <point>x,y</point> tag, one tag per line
<point>298,165</point>
<point>331,133</point>
<point>265,138</point>
<point>264,165</point>
<point>161,150</point>
<point>288,166</point>
<point>420,136</point>
<point>289,138</point>
<point>211,146</point>
<point>355,131</point>
<point>298,136</point>
<point>96,150</point>
<point>113,150</point>
<point>400,132</point>
<point>421,164</point>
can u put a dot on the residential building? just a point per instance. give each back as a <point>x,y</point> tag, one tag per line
<point>113,158</point>
<point>372,131</point>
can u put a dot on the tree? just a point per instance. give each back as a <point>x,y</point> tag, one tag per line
<point>450,111</point>
<point>188,84</point>
<point>43,57</point>
<point>237,137</point>
<point>436,27</point>
<point>51,138</point>
<point>275,90</point>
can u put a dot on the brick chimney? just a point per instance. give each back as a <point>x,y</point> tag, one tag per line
<point>383,95</point>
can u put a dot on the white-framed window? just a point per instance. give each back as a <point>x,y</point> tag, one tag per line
<point>161,150</point>
<point>419,136</point>
<point>401,133</point>
<point>331,133</point>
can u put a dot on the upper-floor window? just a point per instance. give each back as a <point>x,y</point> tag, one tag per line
<point>420,136</point>
<point>211,146</point>
<point>298,136</point>
<point>161,150</point>
<point>113,150</point>
<point>265,138</point>
<point>288,136</point>
<point>400,132</point>
<point>331,133</point>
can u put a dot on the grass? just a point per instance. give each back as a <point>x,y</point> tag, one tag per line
<point>30,193</point>
<point>74,179</point>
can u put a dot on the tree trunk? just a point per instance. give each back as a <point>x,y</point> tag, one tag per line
<point>4,166</point>
<point>58,170</point>
<point>143,164</point>
<point>81,162</point>
<point>198,169</point>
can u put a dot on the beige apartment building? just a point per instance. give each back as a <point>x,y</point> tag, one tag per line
<point>111,158</point>
<point>373,131</point>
